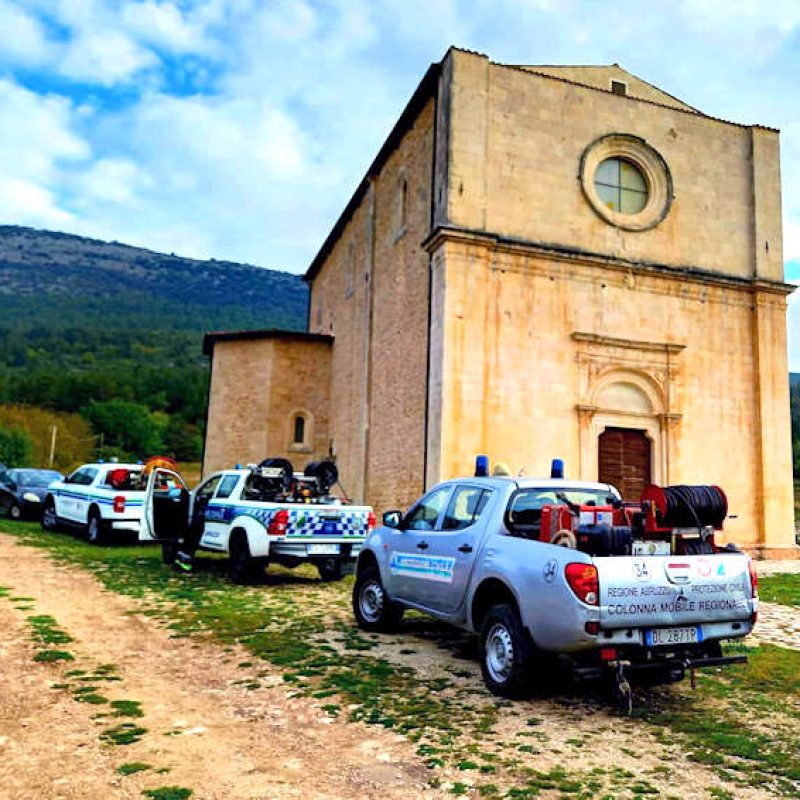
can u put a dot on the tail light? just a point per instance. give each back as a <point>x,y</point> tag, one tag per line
<point>582,579</point>
<point>279,523</point>
<point>372,520</point>
<point>119,504</point>
<point>751,568</point>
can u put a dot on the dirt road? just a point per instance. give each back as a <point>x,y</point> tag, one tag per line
<point>223,723</point>
<point>213,735</point>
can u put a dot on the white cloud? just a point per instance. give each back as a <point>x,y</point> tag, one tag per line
<point>36,133</point>
<point>163,24</point>
<point>22,37</point>
<point>110,180</point>
<point>758,27</point>
<point>37,142</point>
<point>105,57</point>
<point>27,203</point>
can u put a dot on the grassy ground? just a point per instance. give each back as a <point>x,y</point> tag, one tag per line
<point>743,723</point>
<point>780,589</point>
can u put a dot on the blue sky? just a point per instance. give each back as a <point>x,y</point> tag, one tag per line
<point>238,128</point>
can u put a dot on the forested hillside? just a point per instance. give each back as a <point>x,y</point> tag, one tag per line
<point>114,332</point>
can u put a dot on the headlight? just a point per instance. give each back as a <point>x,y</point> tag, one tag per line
<point>31,497</point>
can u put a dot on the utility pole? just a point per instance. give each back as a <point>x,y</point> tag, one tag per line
<point>53,432</point>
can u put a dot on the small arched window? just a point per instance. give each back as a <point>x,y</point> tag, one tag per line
<point>299,429</point>
<point>401,213</point>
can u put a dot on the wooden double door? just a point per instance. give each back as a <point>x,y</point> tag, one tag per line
<point>624,461</point>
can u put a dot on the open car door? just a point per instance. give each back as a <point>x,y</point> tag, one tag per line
<point>166,507</point>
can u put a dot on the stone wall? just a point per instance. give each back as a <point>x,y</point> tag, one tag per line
<point>516,143</point>
<point>379,318</point>
<point>258,387</point>
<point>536,356</point>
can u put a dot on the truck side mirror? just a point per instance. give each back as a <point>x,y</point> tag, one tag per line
<point>391,519</point>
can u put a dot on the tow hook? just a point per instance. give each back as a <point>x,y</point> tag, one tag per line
<point>622,689</point>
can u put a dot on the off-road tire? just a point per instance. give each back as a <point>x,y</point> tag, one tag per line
<point>95,528</point>
<point>373,609</point>
<point>331,569</point>
<point>50,520</point>
<point>15,512</point>
<point>506,653</point>
<point>242,567</point>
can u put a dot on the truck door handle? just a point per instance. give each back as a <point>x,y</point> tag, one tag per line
<point>465,548</point>
<point>423,545</point>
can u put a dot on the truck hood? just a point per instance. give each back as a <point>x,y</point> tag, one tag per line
<point>660,591</point>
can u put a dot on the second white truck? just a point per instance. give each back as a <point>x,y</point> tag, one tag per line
<point>258,515</point>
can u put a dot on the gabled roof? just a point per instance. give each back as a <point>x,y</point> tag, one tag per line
<point>600,77</point>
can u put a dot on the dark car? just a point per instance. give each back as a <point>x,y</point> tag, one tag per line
<point>22,491</point>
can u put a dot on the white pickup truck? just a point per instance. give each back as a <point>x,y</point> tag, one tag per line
<point>469,553</point>
<point>258,515</point>
<point>100,498</point>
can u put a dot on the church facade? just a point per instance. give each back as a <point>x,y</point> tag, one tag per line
<point>540,262</point>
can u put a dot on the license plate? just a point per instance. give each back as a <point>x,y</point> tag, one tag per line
<point>661,636</point>
<point>323,549</point>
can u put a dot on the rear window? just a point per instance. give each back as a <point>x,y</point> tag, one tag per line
<point>525,508</point>
<point>123,479</point>
<point>226,486</point>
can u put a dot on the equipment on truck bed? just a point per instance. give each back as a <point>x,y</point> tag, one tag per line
<point>274,480</point>
<point>669,520</point>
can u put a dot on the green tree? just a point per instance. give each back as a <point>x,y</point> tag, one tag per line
<point>126,429</point>
<point>182,440</point>
<point>16,447</point>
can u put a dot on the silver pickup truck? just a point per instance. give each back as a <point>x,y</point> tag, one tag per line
<point>468,553</point>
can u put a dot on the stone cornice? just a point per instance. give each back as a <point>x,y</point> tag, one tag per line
<point>565,254</point>
<point>628,344</point>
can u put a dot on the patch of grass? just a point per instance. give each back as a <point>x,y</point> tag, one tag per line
<point>720,794</point>
<point>132,767</point>
<point>783,589</point>
<point>123,734</point>
<point>91,698</point>
<point>168,793</point>
<point>728,737</point>
<point>47,656</point>
<point>127,708</point>
<point>46,630</point>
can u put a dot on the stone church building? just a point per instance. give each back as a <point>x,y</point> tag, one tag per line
<point>540,262</point>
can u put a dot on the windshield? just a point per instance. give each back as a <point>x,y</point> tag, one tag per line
<point>37,477</point>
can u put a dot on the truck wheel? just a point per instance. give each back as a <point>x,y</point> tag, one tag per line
<point>373,609</point>
<point>505,652</point>
<point>95,531</point>
<point>332,569</point>
<point>49,516</point>
<point>242,566</point>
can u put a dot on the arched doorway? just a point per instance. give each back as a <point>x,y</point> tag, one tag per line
<point>624,460</point>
